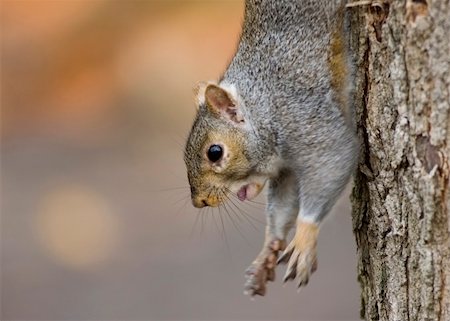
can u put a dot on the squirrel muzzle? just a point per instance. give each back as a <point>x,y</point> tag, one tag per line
<point>199,201</point>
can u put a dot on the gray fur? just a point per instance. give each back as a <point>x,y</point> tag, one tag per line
<point>296,134</point>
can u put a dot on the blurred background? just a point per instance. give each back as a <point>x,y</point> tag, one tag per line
<point>96,221</point>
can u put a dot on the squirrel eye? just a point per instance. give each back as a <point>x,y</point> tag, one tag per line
<point>215,153</point>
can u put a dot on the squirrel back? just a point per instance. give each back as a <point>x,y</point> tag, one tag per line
<point>292,47</point>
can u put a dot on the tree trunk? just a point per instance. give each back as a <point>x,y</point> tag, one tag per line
<point>401,194</point>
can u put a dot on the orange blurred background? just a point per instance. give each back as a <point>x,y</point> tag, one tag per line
<point>96,222</point>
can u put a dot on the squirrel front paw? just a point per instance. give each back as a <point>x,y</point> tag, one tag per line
<point>262,269</point>
<point>301,254</point>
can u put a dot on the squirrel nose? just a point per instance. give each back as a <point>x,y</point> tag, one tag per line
<point>200,202</point>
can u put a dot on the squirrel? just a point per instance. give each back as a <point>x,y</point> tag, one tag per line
<point>280,114</point>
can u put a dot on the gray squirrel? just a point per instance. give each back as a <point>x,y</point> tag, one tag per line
<point>281,113</point>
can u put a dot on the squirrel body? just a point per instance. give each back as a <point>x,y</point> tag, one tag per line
<point>281,113</point>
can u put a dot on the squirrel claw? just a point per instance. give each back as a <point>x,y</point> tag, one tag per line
<point>284,258</point>
<point>301,264</point>
<point>300,254</point>
<point>262,269</point>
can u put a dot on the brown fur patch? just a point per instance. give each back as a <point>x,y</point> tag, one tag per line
<point>338,67</point>
<point>306,236</point>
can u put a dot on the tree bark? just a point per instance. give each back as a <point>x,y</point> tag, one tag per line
<point>401,194</point>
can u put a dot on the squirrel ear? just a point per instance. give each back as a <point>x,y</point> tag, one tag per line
<point>221,102</point>
<point>199,92</point>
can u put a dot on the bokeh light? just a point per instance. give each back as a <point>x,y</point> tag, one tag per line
<point>76,226</point>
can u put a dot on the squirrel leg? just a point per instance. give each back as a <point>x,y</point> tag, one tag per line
<point>319,189</point>
<point>282,211</point>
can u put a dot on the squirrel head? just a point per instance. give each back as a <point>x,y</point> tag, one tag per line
<point>218,150</point>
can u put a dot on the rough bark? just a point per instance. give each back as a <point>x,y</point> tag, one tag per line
<point>401,194</point>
